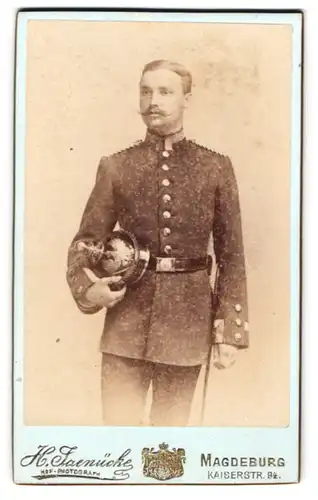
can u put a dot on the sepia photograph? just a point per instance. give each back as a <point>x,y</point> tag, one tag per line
<point>157,247</point>
<point>157,224</point>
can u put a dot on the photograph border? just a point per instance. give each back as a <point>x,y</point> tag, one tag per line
<point>26,437</point>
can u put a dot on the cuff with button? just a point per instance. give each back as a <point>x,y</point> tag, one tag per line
<point>79,283</point>
<point>231,328</point>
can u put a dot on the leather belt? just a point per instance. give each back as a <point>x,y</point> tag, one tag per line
<point>177,264</point>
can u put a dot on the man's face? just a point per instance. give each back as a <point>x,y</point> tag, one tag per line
<point>162,100</point>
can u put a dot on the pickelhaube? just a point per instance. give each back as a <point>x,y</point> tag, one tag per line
<point>119,254</point>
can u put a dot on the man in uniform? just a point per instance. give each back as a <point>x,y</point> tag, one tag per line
<point>172,194</point>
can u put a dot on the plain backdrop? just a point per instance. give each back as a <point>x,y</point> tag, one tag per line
<point>308,485</point>
<point>82,103</point>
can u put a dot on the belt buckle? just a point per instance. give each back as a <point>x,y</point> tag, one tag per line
<point>165,264</point>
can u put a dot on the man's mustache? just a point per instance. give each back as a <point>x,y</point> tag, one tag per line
<point>151,111</point>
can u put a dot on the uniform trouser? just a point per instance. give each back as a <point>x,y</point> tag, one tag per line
<point>125,383</point>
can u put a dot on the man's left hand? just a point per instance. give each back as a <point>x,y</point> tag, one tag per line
<point>224,356</point>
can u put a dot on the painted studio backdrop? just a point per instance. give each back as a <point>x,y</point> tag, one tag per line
<point>82,103</point>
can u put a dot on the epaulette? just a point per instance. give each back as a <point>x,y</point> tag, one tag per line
<point>195,143</point>
<point>128,148</point>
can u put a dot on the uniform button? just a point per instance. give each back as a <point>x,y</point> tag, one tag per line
<point>238,308</point>
<point>80,246</point>
<point>166,182</point>
<point>165,167</point>
<point>167,249</point>
<point>80,289</point>
<point>166,198</point>
<point>166,214</point>
<point>166,231</point>
<point>165,154</point>
<point>238,322</point>
<point>237,337</point>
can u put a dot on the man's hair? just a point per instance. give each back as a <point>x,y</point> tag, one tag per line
<point>184,74</point>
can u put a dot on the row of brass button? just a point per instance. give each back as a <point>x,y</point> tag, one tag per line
<point>166,199</point>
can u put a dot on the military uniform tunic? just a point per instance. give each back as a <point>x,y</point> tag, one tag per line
<point>171,199</point>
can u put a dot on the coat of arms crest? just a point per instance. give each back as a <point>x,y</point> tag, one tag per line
<point>163,464</point>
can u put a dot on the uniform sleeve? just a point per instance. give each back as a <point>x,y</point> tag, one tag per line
<point>231,318</point>
<point>99,219</point>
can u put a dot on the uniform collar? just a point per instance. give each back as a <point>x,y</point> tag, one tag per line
<point>164,142</point>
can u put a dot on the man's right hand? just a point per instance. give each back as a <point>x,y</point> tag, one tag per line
<point>100,294</point>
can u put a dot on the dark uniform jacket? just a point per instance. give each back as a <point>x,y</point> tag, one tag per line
<point>172,197</point>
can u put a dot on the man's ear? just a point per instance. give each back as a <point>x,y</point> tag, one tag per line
<point>187,98</point>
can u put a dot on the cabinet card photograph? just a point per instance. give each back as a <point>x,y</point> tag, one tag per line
<point>157,247</point>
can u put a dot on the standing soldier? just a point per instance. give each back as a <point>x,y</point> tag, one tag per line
<point>170,193</point>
